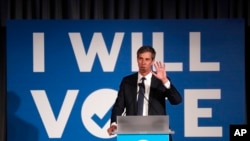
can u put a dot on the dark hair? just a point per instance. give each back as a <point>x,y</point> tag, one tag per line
<point>146,48</point>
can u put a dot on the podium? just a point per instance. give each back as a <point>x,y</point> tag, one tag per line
<point>143,128</point>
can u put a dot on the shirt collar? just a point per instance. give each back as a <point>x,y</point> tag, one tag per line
<point>148,76</point>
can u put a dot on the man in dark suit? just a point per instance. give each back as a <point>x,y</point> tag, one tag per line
<point>157,87</point>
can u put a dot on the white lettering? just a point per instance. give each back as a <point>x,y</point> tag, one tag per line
<point>136,43</point>
<point>240,132</point>
<point>237,132</point>
<point>85,60</point>
<point>243,131</point>
<point>53,126</point>
<point>193,112</point>
<point>158,44</point>
<point>195,55</point>
<point>38,52</point>
<point>97,46</point>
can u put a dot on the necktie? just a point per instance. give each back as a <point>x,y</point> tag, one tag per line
<point>141,97</point>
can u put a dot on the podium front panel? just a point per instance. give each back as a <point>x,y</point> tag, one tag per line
<point>143,137</point>
<point>143,125</point>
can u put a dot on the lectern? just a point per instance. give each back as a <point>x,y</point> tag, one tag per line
<point>143,128</point>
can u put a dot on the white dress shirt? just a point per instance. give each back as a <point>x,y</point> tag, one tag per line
<point>147,83</point>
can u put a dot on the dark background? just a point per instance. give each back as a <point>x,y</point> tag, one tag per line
<point>116,9</point>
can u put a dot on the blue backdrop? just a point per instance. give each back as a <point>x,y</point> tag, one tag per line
<point>63,75</point>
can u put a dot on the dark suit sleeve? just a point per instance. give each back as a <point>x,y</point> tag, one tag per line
<point>174,97</point>
<point>119,104</point>
<point>126,98</point>
<point>172,94</point>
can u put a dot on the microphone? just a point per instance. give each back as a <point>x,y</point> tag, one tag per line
<point>147,99</point>
<point>149,102</point>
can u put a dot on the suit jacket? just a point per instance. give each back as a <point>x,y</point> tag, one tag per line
<point>127,97</point>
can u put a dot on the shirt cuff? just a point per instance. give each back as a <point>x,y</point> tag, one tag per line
<point>114,123</point>
<point>167,84</point>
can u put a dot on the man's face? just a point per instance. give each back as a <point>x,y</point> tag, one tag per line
<point>145,62</point>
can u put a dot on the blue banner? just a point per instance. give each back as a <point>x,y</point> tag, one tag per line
<point>63,75</point>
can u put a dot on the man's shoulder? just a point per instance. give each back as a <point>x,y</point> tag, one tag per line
<point>130,79</point>
<point>133,75</point>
